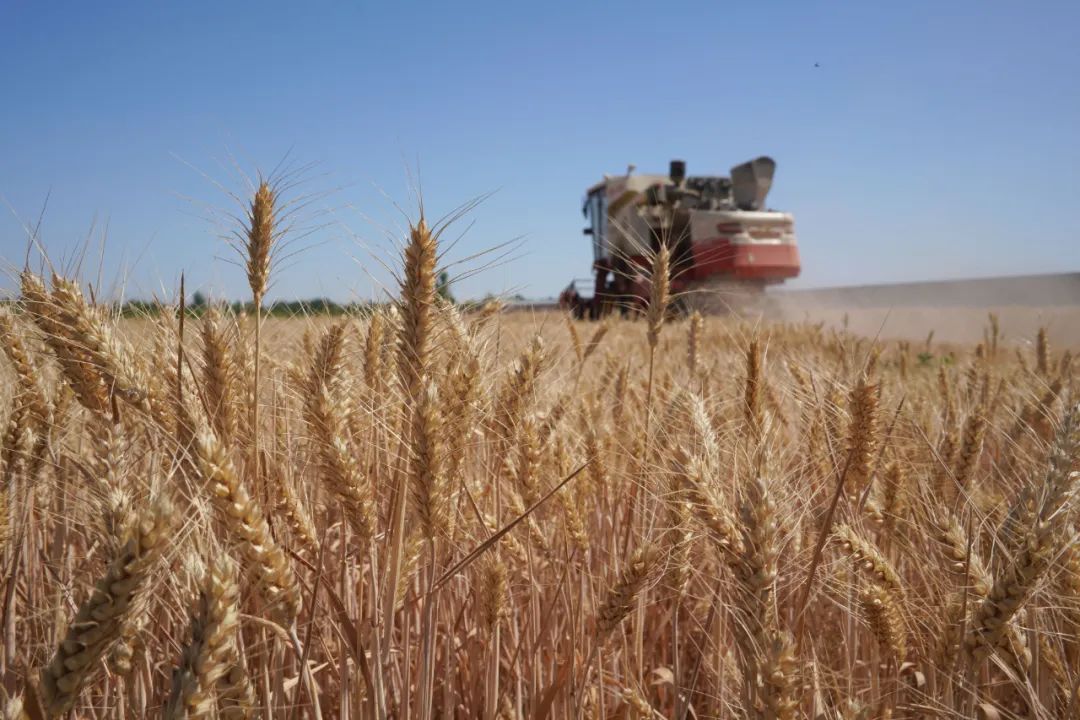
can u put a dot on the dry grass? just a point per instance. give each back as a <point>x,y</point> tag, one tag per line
<point>435,515</point>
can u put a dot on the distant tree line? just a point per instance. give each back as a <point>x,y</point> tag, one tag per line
<point>197,305</point>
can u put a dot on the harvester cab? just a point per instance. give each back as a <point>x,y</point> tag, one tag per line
<point>724,241</point>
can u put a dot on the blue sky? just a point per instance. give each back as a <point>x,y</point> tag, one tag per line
<point>934,140</point>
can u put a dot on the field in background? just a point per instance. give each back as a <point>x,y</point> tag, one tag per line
<point>954,310</point>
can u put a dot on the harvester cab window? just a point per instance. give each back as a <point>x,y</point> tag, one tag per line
<point>596,211</point>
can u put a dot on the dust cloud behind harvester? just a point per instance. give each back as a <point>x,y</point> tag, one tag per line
<point>956,310</point>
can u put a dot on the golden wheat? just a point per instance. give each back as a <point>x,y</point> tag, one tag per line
<point>431,511</point>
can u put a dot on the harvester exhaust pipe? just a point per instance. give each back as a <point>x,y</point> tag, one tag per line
<point>751,181</point>
<point>677,171</point>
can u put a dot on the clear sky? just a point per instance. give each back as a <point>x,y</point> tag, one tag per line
<point>914,140</point>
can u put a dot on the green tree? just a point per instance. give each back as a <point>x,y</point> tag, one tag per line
<point>443,287</point>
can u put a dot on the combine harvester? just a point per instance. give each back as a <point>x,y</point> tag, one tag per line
<point>726,246</point>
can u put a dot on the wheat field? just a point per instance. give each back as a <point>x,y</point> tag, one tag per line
<point>419,512</point>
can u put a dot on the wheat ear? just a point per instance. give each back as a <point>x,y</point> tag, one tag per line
<point>97,623</point>
<point>428,486</point>
<point>693,345</point>
<point>638,572</point>
<point>218,376</point>
<point>862,433</point>
<point>868,559</point>
<point>883,615</point>
<point>78,367</point>
<point>211,650</point>
<point>262,556</point>
<point>339,468</point>
<point>659,296</point>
